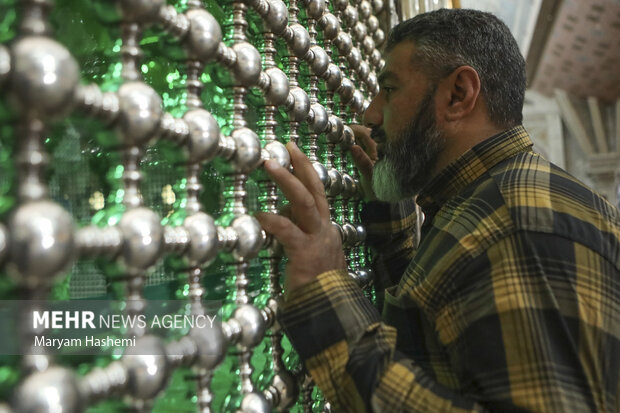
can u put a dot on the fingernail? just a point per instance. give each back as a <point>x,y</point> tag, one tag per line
<point>292,145</point>
<point>272,164</point>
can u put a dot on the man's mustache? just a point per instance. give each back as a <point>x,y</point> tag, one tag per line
<point>377,135</point>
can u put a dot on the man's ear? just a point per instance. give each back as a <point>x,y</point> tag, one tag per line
<point>460,91</point>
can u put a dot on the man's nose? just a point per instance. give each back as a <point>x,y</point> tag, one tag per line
<point>373,116</point>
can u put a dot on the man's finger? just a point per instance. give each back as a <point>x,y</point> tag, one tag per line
<point>285,211</point>
<point>362,161</point>
<point>307,175</point>
<point>287,233</point>
<point>302,202</point>
<point>363,139</point>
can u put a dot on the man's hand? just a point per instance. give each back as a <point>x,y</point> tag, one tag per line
<point>312,244</point>
<point>364,156</point>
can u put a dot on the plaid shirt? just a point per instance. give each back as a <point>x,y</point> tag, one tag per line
<point>510,303</point>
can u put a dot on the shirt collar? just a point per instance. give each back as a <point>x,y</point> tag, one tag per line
<point>471,165</point>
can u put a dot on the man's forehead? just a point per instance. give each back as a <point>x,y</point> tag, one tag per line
<point>399,61</point>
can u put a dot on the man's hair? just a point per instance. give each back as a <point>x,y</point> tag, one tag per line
<point>449,38</point>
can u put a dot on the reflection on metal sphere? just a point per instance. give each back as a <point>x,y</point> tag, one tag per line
<point>211,345</point>
<point>147,367</point>
<point>252,325</point>
<point>143,237</point>
<point>53,390</point>
<point>204,35</point>
<point>203,238</point>
<point>204,135</point>
<point>254,403</point>
<point>43,78</point>
<point>42,242</point>
<point>140,112</point>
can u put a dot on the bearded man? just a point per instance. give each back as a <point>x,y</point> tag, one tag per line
<point>511,301</point>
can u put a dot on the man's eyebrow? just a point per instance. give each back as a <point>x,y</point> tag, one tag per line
<point>384,76</point>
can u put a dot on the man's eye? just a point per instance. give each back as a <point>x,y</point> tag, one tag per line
<point>388,89</point>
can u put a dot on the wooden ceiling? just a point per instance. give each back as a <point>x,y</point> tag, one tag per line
<point>576,48</point>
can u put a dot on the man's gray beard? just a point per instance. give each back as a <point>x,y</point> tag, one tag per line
<point>410,158</point>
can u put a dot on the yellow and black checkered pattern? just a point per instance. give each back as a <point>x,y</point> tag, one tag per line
<point>510,303</point>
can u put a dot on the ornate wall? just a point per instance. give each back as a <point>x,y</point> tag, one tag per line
<point>132,138</point>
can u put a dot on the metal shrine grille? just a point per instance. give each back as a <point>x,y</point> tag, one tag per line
<point>132,138</point>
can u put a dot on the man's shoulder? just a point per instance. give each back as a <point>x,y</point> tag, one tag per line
<point>528,193</point>
<point>543,197</point>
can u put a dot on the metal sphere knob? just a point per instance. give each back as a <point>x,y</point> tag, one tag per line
<point>277,16</point>
<point>300,41</point>
<point>277,93</point>
<point>363,71</point>
<point>254,403</point>
<point>4,242</point>
<point>143,237</point>
<point>318,114</point>
<point>336,127</point>
<point>350,15</point>
<point>320,60</point>
<point>53,390</point>
<point>333,77</point>
<point>330,25</point>
<point>204,135</point>
<point>321,171</point>
<point>344,43</point>
<point>43,78</point>
<point>204,34</point>
<point>357,103</point>
<point>315,8</point>
<point>252,325</point>
<point>5,64</point>
<point>247,150</point>
<point>286,387</point>
<point>379,37</point>
<point>354,58</point>
<point>361,233</point>
<point>300,105</point>
<point>42,242</point>
<point>248,65</point>
<point>368,44</point>
<point>147,367</point>
<point>338,228</point>
<point>365,9</point>
<point>203,238</point>
<point>363,277</point>
<point>349,235</point>
<point>279,152</point>
<point>140,112</point>
<point>373,24</point>
<point>335,182</point>
<point>211,345</point>
<point>375,57</point>
<point>340,4</point>
<point>346,90</point>
<point>143,11</point>
<point>348,137</point>
<point>359,31</point>
<point>381,64</point>
<point>349,188</point>
<point>250,237</point>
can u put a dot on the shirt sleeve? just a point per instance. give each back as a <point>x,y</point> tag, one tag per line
<point>391,237</point>
<point>509,321</point>
<point>351,354</point>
